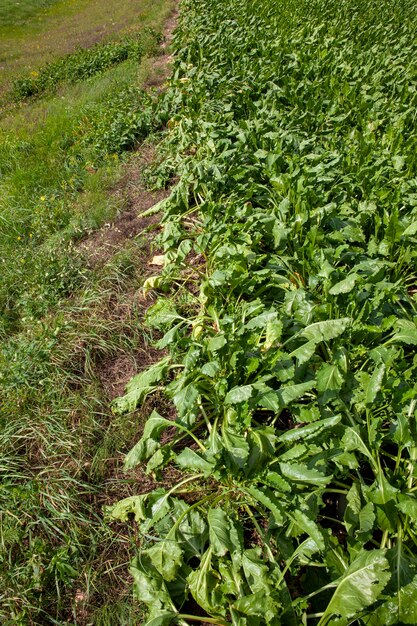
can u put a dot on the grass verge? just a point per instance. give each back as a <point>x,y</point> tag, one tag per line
<point>68,325</point>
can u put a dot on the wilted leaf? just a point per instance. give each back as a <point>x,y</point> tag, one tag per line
<point>140,386</point>
<point>149,442</point>
<point>158,260</point>
<point>205,588</point>
<point>133,505</point>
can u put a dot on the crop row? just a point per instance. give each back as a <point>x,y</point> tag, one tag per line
<point>291,240</point>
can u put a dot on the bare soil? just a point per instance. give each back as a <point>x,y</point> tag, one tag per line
<point>102,244</point>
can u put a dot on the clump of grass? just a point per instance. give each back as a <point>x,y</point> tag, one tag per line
<point>57,454</point>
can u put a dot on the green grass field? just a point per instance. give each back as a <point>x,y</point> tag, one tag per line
<point>18,12</point>
<point>62,155</point>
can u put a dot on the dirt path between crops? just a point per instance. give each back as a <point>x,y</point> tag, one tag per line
<point>114,372</point>
<point>101,245</point>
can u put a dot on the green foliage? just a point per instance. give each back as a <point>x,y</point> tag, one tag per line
<point>83,64</point>
<point>292,343</point>
<point>120,122</point>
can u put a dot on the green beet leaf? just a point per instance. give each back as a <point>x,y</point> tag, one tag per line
<point>237,395</point>
<point>205,587</point>
<point>360,586</point>
<point>309,431</point>
<point>259,604</point>
<point>222,533</point>
<point>267,498</point>
<point>189,459</point>
<point>160,619</point>
<point>166,557</point>
<point>325,331</point>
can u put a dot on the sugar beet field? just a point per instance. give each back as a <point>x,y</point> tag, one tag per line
<point>273,480</point>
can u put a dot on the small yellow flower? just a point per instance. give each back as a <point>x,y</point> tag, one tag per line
<point>19,238</point>
<point>34,74</point>
<point>43,198</point>
<point>30,234</point>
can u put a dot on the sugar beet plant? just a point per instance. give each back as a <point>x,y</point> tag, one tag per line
<point>290,345</point>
